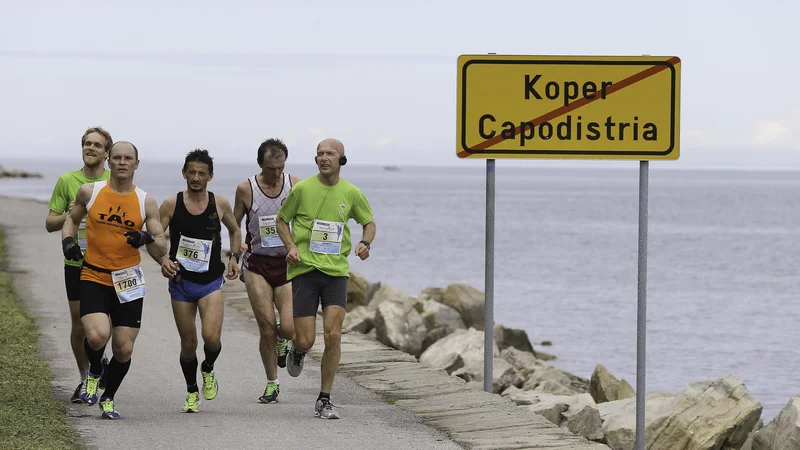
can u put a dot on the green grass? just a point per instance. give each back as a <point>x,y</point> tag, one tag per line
<point>30,418</point>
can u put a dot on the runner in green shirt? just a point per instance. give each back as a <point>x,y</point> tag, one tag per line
<point>320,207</point>
<point>95,143</point>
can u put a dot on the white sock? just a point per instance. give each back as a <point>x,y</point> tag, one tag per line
<point>84,373</point>
<point>276,381</point>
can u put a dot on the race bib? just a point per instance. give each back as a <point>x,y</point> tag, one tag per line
<point>269,232</point>
<point>82,235</point>
<point>129,283</point>
<point>194,254</point>
<point>326,237</point>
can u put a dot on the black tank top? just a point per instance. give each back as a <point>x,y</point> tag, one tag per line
<point>205,226</point>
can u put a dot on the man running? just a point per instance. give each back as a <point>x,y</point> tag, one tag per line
<point>320,207</point>
<point>195,269</point>
<point>264,263</point>
<point>95,143</point>
<point>112,281</point>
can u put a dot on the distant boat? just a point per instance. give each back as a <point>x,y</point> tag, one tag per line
<point>391,168</point>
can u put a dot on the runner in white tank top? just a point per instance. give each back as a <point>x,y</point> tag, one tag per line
<point>262,236</point>
<point>258,199</point>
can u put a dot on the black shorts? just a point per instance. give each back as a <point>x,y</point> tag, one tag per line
<point>72,281</point>
<point>311,287</point>
<point>99,298</point>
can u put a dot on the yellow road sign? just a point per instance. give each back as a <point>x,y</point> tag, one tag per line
<point>568,107</point>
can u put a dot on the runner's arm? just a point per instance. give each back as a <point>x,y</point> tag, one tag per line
<point>59,209</point>
<point>73,220</point>
<point>165,212</point>
<point>241,203</point>
<point>368,231</point>
<point>158,248</point>
<point>55,220</point>
<point>228,219</point>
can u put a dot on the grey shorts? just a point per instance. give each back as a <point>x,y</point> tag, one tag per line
<point>312,287</point>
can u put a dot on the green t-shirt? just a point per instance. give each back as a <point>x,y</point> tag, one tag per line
<point>64,193</point>
<point>323,243</point>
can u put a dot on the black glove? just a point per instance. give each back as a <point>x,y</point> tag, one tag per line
<point>137,239</point>
<point>71,249</point>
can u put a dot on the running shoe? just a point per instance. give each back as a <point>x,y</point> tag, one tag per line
<point>294,361</point>
<point>89,394</point>
<point>283,347</point>
<point>324,409</point>
<point>107,406</point>
<point>270,393</point>
<point>210,385</point>
<point>192,402</point>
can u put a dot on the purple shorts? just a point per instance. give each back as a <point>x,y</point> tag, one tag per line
<point>188,291</point>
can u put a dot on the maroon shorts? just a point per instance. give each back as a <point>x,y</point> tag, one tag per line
<point>272,268</point>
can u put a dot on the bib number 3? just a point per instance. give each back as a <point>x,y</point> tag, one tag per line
<point>326,237</point>
<point>129,283</point>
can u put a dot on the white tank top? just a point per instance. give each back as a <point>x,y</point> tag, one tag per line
<point>262,233</point>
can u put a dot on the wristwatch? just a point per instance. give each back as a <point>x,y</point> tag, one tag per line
<point>237,255</point>
<point>366,244</point>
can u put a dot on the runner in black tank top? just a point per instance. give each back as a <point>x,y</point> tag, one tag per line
<point>196,271</point>
<point>206,226</point>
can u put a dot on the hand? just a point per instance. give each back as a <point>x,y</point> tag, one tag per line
<point>243,247</point>
<point>362,251</point>
<point>137,239</point>
<point>69,208</point>
<point>169,268</point>
<point>72,251</point>
<point>293,256</point>
<point>233,269</point>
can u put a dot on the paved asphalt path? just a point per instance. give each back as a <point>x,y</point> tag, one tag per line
<point>152,394</point>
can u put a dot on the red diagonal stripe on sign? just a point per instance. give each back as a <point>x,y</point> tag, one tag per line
<point>615,87</point>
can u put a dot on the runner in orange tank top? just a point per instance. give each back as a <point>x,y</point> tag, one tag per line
<point>112,281</point>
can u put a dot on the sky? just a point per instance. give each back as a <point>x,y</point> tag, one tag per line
<point>379,76</point>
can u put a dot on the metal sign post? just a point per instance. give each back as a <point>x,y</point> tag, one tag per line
<point>488,307</point>
<point>641,316</point>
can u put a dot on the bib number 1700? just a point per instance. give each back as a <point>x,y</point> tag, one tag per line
<point>126,284</point>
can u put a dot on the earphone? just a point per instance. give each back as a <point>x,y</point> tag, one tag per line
<point>342,160</point>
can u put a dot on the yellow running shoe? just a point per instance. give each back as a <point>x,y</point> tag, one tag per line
<point>89,392</point>
<point>107,406</point>
<point>210,385</point>
<point>192,403</point>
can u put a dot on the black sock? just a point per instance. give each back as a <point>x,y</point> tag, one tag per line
<point>211,357</point>
<point>325,395</point>
<point>189,367</point>
<point>95,358</point>
<point>116,372</point>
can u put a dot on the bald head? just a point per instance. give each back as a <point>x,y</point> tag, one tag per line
<point>124,145</point>
<point>331,144</point>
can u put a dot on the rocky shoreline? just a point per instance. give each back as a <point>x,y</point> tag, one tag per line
<point>443,327</point>
<point>17,173</point>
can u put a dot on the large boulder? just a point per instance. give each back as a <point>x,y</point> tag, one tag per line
<point>359,290</point>
<point>468,301</point>
<point>468,344</point>
<point>619,418</point>
<point>605,387</point>
<point>512,337</point>
<point>707,416</point>
<point>578,413</point>
<point>399,325</point>
<point>783,432</point>
<point>438,314</point>
<point>387,292</point>
<point>359,319</point>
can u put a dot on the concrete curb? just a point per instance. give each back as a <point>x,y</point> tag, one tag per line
<point>472,418</point>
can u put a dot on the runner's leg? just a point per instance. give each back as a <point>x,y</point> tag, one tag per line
<point>260,294</point>
<point>211,315</point>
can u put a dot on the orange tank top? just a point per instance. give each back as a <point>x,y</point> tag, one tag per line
<point>109,216</point>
